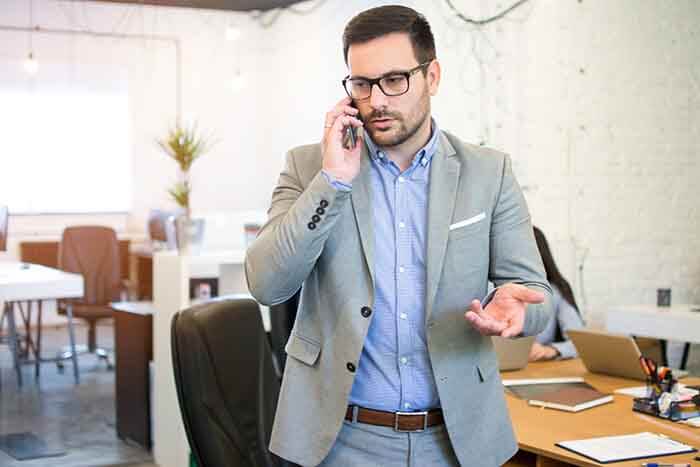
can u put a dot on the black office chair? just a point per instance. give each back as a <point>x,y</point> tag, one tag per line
<point>227,384</point>
<point>282,318</point>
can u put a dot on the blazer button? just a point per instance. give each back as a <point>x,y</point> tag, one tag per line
<point>351,367</point>
<point>366,311</point>
<point>320,211</point>
<point>323,203</point>
<point>311,225</point>
<point>316,218</point>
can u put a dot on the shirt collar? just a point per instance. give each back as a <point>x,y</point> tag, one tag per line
<point>423,156</point>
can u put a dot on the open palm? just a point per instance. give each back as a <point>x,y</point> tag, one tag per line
<point>505,314</point>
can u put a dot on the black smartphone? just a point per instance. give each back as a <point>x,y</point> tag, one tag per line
<point>350,136</point>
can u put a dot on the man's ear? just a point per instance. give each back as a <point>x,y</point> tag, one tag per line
<point>433,77</point>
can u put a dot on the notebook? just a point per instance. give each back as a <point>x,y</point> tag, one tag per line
<point>626,447</point>
<point>571,398</point>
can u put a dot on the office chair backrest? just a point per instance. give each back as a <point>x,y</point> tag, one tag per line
<point>226,383</point>
<point>93,252</point>
<point>3,227</point>
<point>282,319</point>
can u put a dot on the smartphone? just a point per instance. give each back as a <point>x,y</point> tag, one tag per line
<point>350,133</point>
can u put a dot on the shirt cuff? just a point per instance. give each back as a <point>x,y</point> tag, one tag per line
<point>335,183</point>
<point>566,349</point>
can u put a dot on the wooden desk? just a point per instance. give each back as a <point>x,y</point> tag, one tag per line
<point>133,339</point>
<point>538,429</point>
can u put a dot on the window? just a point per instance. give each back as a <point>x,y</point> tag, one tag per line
<point>64,139</point>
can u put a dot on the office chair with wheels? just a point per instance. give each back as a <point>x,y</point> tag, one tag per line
<point>227,386</point>
<point>93,252</point>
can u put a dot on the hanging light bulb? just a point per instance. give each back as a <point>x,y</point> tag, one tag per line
<point>31,65</point>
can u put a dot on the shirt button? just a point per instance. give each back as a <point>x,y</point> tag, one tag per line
<point>311,225</point>
<point>401,269</point>
<point>316,218</point>
<point>403,316</point>
<point>401,180</point>
<point>351,367</point>
<point>402,225</point>
<point>366,311</point>
<point>404,360</point>
<point>323,203</point>
<point>407,405</point>
<point>320,211</point>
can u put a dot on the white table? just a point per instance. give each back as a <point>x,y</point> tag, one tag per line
<point>676,323</point>
<point>23,282</point>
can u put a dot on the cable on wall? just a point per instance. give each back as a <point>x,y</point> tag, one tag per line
<point>269,18</point>
<point>481,22</point>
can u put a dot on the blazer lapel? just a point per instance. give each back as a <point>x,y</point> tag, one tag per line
<point>444,177</point>
<point>361,202</point>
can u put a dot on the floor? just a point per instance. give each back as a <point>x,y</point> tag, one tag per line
<point>79,419</point>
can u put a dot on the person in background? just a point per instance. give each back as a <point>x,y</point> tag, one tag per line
<point>553,342</point>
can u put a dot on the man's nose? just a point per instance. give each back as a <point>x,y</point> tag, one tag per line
<point>377,98</point>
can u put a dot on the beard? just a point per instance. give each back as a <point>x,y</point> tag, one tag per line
<point>403,127</point>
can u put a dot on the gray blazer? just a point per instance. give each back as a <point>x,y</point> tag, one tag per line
<point>333,259</point>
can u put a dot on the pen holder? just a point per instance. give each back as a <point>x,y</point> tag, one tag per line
<point>658,398</point>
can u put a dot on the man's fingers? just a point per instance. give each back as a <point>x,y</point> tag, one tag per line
<point>475,306</point>
<point>344,121</point>
<point>339,111</point>
<point>484,323</point>
<point>524,294</point>
<point>515,326</point>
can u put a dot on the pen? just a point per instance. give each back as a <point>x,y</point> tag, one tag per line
<point>654,464</point>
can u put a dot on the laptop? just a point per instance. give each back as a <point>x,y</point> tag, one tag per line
<point>512,353</point>
<point>611,354</point>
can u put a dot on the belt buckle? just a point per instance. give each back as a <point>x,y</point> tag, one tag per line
<point>396,420</point>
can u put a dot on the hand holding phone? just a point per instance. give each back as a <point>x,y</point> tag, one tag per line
<point>341,142</point>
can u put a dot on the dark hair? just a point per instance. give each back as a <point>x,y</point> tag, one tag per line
<point>554,277</point>
<point>383,20</point>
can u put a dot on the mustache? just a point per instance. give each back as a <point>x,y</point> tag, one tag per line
<point>377,114</point>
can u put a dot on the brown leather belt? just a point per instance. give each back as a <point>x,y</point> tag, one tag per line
<point>399,421</point>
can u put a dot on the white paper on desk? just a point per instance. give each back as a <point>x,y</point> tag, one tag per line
<point>636,391</point>
<point>642,391</point>
<point>625,447</point>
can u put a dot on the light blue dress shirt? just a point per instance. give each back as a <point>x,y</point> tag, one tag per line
<point>394,371</point>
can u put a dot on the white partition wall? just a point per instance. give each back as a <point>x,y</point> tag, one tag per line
<point>170,295</point>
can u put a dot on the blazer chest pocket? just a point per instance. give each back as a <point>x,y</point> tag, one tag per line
<point>468,227</point>
<point>303,349</point>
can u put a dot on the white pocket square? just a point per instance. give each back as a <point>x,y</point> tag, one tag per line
<point>472,220</point>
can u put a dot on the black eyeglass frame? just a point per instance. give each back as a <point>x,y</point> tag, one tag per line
<point>372,81</point>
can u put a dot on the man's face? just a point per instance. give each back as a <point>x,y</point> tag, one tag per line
<point>392,120</point>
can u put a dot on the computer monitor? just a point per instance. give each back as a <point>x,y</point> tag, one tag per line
<point>4,218</point>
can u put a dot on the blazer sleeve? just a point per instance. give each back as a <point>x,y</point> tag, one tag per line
<point>514,256</point>
<point>290,242</point>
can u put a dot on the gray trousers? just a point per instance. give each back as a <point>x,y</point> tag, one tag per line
<point>363,445</point>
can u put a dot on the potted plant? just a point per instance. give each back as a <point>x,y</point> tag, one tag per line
<point>185,145</point>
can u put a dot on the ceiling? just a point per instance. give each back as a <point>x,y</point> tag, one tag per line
<point>232,5</point>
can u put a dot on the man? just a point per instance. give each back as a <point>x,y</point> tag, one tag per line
<point>394,242</point>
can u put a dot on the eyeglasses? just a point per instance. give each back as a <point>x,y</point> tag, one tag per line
<point>391,84</point>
